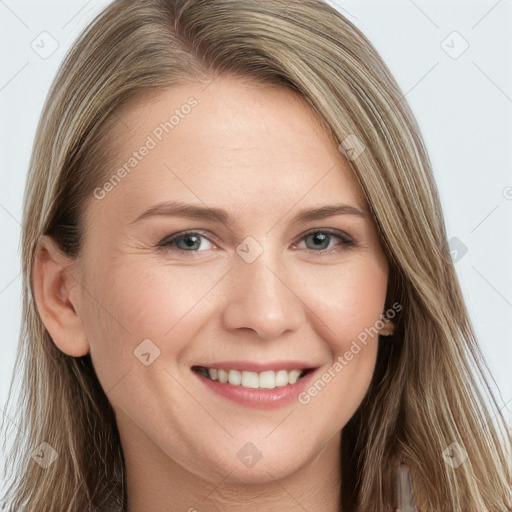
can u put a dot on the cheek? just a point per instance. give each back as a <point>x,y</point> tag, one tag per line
<point>132,303</point>
<point>346,302</point>
<point>348,306</point>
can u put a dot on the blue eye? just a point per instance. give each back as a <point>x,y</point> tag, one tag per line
<point>321,240</point>
<point>191,241</point>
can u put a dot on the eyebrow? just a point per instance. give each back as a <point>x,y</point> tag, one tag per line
<point>179,209</point>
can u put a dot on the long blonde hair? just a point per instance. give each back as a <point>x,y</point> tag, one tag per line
<point>430,388</point>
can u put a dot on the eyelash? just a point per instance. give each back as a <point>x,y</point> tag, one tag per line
<point>346,241</point>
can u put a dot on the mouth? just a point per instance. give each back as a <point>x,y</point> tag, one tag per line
<point>267,379</point>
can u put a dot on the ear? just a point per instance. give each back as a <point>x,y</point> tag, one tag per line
<point>388,329</point>
<point>56,293</point>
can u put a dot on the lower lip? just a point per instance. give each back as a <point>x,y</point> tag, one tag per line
<point>258,398</point>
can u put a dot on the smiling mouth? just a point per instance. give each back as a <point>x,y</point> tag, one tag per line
<point>268,379</point>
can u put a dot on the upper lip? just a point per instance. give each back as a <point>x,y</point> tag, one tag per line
<point>252,366</point>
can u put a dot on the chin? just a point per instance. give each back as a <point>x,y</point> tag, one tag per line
<point>258,463</point>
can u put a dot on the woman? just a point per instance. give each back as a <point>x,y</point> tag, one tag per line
<point>239,293</point>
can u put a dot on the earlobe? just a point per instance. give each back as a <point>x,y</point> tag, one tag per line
<point>388,329</point>
<point>54,289</point>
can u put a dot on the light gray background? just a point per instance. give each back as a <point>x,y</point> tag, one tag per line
<point>462,99</point>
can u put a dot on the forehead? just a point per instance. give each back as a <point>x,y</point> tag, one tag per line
<point>228,143</point>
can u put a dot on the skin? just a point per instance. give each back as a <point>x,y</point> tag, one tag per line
<point>261,154</point>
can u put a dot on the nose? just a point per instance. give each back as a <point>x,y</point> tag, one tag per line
<point>262,298</point>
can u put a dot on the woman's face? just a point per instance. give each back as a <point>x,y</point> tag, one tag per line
<point>255,291</point>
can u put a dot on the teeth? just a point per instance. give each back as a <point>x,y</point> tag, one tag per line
<point>250,380</point>
<point>293,376</point>
<point>267,380</point>
<point>235,377</point>
<point>264,380</point>
<point>281,378</point>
